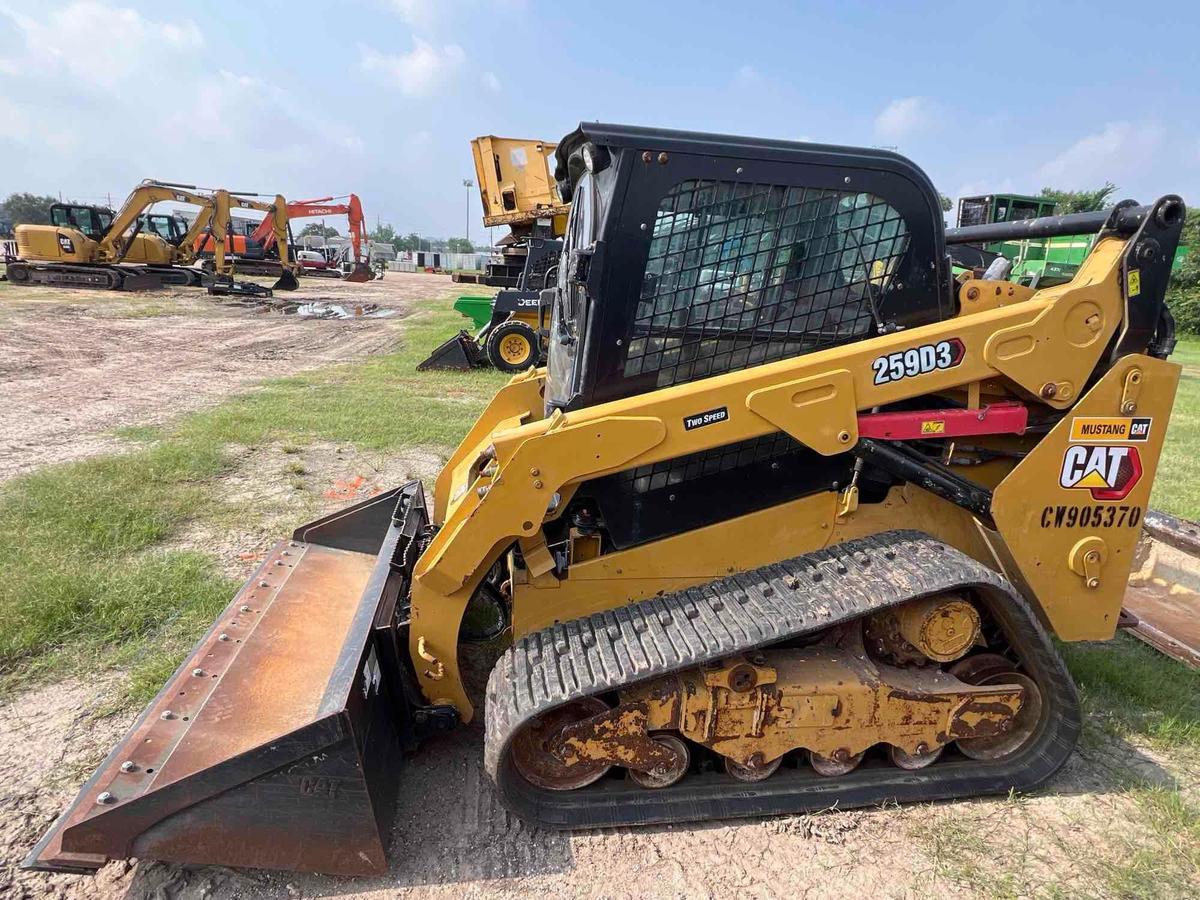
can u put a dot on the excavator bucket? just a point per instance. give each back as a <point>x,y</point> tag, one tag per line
<point>360,273</point>
<point>287,281</point>
<point>460,352</point>
<point>276,743</point>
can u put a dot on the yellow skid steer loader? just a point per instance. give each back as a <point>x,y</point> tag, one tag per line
<point>788,520</point>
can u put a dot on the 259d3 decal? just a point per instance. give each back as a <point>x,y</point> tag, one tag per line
<point>918,361</point>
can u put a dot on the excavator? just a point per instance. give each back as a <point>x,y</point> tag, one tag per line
<point>518,192</point>
<point>790,519</point>
<point>91,247</point>
<point>274,228</point>
<point>352,209</point>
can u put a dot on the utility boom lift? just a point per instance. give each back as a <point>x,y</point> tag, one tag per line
<point>787,521</point>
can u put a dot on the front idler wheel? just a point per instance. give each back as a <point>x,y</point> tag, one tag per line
<point>535,761</point>
<point>664,777</point>
<point>1024,723</point>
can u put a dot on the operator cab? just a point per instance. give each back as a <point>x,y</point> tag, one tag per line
<point>171,228</point>
<point>93,221</point>
<point>688,255</point>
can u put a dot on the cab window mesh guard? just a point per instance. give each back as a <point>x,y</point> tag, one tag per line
<point>742,274</point>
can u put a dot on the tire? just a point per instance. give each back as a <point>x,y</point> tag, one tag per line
<point>513,347</point>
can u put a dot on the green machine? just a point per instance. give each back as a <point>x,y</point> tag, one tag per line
<point>477,309</point>
<point>1040,261</point>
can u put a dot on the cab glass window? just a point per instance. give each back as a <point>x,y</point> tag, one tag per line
<point>741,274</point>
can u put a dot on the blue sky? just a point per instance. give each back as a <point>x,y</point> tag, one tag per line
<point>381,96</point>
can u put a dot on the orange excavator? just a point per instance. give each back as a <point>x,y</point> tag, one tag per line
<point>324,206</point>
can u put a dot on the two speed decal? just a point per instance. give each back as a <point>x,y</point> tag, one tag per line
<point>711,417</point>
<point>918,361</point>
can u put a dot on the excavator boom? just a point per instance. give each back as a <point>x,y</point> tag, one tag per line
<point>352,209</point>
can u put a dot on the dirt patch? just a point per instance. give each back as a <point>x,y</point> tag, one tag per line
<point>272,489</point>
<point>74,365</point>
<point>50,740</point>
<point>452,838</point>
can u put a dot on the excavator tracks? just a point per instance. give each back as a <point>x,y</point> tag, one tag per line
<point>615,650</point>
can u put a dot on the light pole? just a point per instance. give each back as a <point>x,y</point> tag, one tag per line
<point>468,184</point>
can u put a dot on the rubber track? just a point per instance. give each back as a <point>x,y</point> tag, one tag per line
<point>619,647</point>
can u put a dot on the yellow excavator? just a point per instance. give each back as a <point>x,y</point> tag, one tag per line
<point>91,247</point>
<point>790,520</point>
<point>287,269</point>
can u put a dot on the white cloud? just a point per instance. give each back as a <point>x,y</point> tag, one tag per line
<point>492,83</point>
<point>747,74</point>
<point>30,127</point>
<point>418,73</point>
<point>79,39</point>
<point>905,117</point>
<point>1119,153</point>
<point>220,127</point>
<point>420,14</point>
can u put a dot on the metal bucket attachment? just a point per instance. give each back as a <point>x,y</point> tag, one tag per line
<point>277,743</point>
<point>1164,588</point>
<point>287,281</point>
<point>141,281</point>
<point>360,273</point>
<point>224,286</point>
<point>460,352</point>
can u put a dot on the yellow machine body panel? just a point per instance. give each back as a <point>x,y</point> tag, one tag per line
<point>1045,345</point>
<point>51,243</point>
<point>515,181</point>
<point>1070,514</point>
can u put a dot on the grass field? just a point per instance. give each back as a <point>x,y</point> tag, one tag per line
<point>1177,485</point>
<point>84,581</point>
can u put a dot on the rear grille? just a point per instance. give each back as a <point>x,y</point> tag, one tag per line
<point>709,462</point>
